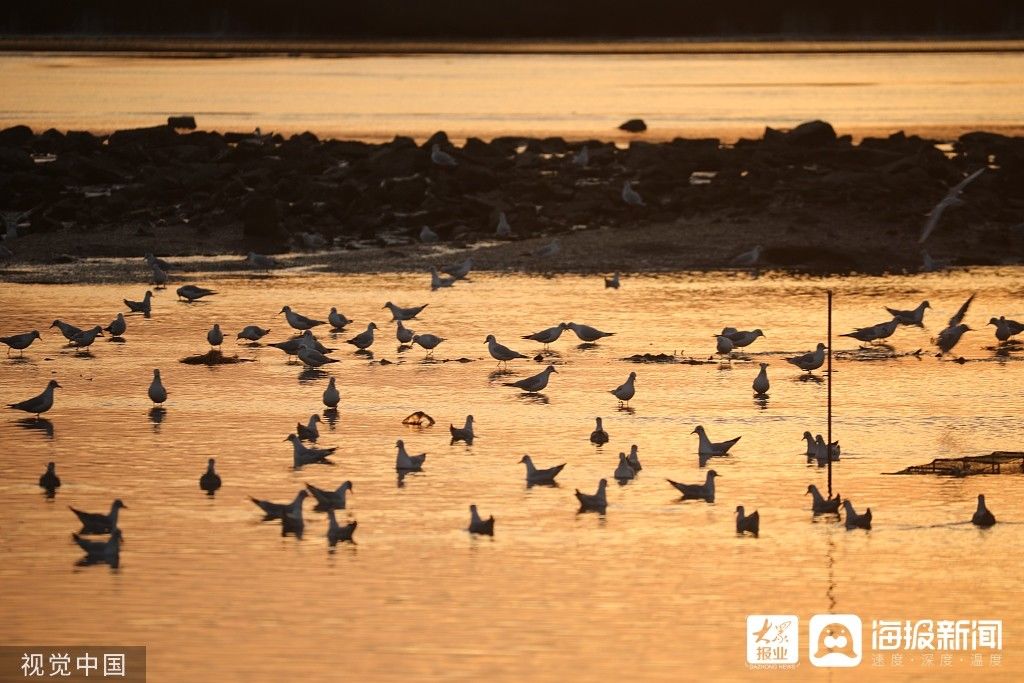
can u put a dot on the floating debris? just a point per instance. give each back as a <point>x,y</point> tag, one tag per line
<point>418,418</point>
<point>214,357</point>
<point>879,352</point>
<point>999,462</point>
<point>668,358</point>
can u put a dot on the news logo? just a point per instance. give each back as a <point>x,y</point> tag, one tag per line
<point>835,640</point>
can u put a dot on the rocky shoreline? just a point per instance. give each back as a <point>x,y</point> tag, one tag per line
<point>814,200</point>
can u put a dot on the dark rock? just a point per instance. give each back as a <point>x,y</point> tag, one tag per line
<point>15,136</point>
<point>634,126</point>
<point>154,136</point>
<point>812,134</point>
<point>182,122</point>
<point>261,221</point>
<point>438,138</point>
<point>13,159</point>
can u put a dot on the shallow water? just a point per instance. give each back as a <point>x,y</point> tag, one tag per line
<point>574,95</point>
<point>651,589</point>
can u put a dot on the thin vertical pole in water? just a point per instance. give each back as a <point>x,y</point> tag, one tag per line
<point>828,441</point>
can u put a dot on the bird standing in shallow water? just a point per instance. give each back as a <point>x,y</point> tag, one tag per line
<point>598,436</point>
<point>761,384</point>
<point>20,342</point>
<point>983,517</point>
<point>215,336</point>
<point>38,404</point>
<point>210,481</point>
<point>49,479</point>
<point>157,392</point>
<point>744,522</point>
<point>625,391</point>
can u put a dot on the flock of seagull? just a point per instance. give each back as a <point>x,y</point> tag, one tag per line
<point>311,352</point>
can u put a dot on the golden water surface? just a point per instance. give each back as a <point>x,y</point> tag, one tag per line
<point>376,96</point>
<point>655,589</point>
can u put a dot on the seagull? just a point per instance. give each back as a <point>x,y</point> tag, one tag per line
<point>330,500</point>
<point>821,505</point>
<point>314,358</point>
<point>823,453</point>
<point>160,277</point>
<point>308,431</point>
<point>631,196</point>
<point>260,261</point>
<point>337,534</point>
<point>983,517</point>
<point>596,502</point>
<point>292,522</point>
<point>634,458</point>
<point>49,479</point>
<point>291,346</point>
<point>624,472</point>
<point>809,361</point>
<point>312,240</point>
<point>278,510</point>
<point>741,338</point>
<point>478,525</point>
<point>337,320</point>
<point>304,455</point>
<point>747,259</point>
<point>612,282</point>
<point>192,293</point>
<point>534,383</point>
<point>626,390</point>
<point>1004,328</point>
<point>428,236</point>
<point>723,345</point>
<point>744,522</point>
<point>598,436</point>
<point>117,326</point>
<point>707,448</point>
<point>108,551</point>
<point>252,333</point>
<point>38,404</point>
<point>949,337</point>
<point>855,521</point>
<point>442,158</point>
<point>210,481</point>
<point>874,332</point>
<point>85,339</point>
<point>811,447</point>
<point>911,317</point>
<point>427,341</point>
<point>581,158</point>
<point>504,230</point>
<point>69,331</point>
<point>98,523</point>
<point>952,198</point>
<point>464,434</point>
<point>403,334</point>
<point>215,336</point>
<point>437,282</point>
<point>460,270</point>
<point>20,342</point>
<point>144,307</point>
<point>499,352</point>
<point>535,476</point>
<point>154,262</point>
<point>761,384</point>
<point>331,396</point>
<point>549,335</point>
<point>587,333</point>
<point>958,317</point>
<point>548,250</point>
<point>408,463</point>
<point>298,321</point>
<point>398,313</point>
<point>157,392</point>
<point>705,491</point>
<point>363,340</point>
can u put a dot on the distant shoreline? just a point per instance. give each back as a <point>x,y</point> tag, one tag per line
<point>201,46</point>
